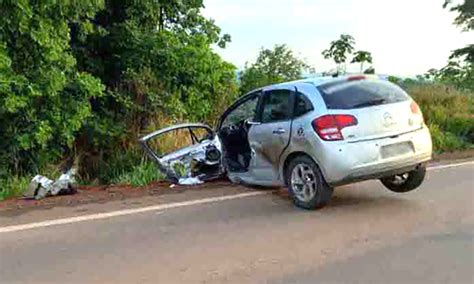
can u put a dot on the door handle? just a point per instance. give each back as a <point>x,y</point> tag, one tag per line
<point>279,131</point>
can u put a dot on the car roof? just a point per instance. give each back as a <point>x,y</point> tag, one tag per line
<point>317,81</point>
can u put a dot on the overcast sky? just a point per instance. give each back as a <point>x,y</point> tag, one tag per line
<point>406,37</point>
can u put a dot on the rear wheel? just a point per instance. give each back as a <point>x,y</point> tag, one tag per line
<point>405,182</point>
<point>306,185</point>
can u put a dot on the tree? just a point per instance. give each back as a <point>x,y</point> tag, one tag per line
<point>457,73</point>
<point>431,74</point>
<point>460,68</point>
<point>339,50</point>
<point>44,97</point>
<point>272,66</point>
<point>361,57</point>
<point>465,18</point>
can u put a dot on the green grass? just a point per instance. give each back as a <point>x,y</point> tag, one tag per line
<point>141,174</point>
<point>449,114</point>
<point>13,186</point>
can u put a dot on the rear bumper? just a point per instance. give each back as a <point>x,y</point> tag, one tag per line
<point>348,162</point>
<point>377,174</point>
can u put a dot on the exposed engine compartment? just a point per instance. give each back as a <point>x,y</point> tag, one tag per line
<point>201,160</point>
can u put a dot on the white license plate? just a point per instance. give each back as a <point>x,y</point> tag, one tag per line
<point>396,149</point>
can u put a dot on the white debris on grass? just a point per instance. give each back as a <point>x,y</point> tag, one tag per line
<point>41,186</point>
<point>189,181</point>
<point>38,187</point>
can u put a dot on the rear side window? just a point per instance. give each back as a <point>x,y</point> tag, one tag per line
<point>361,93</point>
<point>302,105</point>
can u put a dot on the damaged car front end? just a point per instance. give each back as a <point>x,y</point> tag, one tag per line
<point>200,161</point>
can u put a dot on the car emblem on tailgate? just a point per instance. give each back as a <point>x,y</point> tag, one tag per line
<point>388,119</point>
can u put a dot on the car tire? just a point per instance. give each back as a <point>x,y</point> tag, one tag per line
<point>312,191</point>
<point>405,182</point>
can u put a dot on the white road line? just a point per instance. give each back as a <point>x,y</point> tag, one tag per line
<point>98,216</point>
<point>451,165</point>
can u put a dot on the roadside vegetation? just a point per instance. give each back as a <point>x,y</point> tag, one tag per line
<point>449,114</point>
<point>80,81</point>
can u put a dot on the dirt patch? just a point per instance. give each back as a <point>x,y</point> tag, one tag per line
<point>103,194</point>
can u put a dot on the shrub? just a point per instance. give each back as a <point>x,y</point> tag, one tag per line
<point>13,186</point>
<point>141,174</point>
<point>449,113</point>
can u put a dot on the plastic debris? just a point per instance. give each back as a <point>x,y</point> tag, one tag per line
<point>41,186</point>
<point>190,181</point>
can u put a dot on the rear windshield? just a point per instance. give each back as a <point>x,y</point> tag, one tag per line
<point>361,93</point>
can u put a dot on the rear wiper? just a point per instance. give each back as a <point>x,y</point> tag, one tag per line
<point>370,103</point>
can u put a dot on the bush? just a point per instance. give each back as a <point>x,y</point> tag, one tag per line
<point>13,186</point>
<point>449,113</point>
<point>142,174</point>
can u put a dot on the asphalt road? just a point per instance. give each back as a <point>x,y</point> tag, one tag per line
<point>366,235</point>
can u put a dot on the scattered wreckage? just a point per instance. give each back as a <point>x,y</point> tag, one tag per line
<point>194,164</point>
<point>41,186</point>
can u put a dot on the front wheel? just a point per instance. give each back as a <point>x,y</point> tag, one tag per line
<point>306,185</point>
<point>405,182</point>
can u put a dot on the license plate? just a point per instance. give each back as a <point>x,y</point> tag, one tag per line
<point>396,149</point>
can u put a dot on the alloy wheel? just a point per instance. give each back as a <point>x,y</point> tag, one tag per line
<point>303,182</point>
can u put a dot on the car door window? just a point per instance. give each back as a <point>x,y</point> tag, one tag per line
<point>276,106</point>
<point>177,139</point>
<point>200,134</point>
<point>245,111</point>
<point>302,105</point>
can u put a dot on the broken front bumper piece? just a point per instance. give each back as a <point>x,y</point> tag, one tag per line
<point>41,186</point>
<point>189,164</point>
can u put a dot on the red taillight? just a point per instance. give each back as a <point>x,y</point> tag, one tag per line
<point>415,109</point>
<point>328,127</point>
<point>356,78</point>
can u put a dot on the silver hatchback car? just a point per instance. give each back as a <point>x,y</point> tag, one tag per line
<point>311,135</point>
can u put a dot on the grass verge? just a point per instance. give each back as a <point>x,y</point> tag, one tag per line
<point>449,114</point>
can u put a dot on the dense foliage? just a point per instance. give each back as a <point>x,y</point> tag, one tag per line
<point>81,80</point>
<point>448,111</point>
<point>44,97</point>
